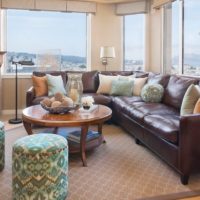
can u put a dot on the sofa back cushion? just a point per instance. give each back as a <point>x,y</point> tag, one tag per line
<point>176,89</point>
<point>90,81</point>
<point>53,73</point>
<point>115,73</point>
<point>158,79</point>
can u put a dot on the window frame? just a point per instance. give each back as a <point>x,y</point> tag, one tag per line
<point>3,18</point>
<point>181,40</point>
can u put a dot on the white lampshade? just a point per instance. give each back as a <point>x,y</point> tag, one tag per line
<point>107,52</point>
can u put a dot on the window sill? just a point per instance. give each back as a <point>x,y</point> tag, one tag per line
<point>20,76</point>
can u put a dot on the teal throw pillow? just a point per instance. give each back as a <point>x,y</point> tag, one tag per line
<point>152,93</point>
<point>122,88</point>
<point>55,84</point>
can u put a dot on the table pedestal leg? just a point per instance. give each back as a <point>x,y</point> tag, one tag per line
<point>28,127</point>
<point>84,130</point>
<point>100,131</point>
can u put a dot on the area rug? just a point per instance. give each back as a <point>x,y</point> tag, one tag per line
<point>117,170</point>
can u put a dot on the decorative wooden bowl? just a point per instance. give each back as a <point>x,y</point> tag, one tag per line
<point>59,109</point>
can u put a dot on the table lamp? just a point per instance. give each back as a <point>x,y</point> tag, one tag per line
<point>105,53</point>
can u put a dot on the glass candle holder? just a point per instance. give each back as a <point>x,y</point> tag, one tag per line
<point>74,87</point>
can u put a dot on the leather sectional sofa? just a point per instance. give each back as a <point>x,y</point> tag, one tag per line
<point>158,126</point>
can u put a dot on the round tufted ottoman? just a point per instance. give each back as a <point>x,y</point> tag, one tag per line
<point>2,146</point>
<point>40,167</point>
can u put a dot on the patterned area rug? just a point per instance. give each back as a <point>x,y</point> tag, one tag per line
<point>117,170</point>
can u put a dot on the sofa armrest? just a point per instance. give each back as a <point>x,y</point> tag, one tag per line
<point>190,128</point>
<point>30,95</point>
<point>189,137</point>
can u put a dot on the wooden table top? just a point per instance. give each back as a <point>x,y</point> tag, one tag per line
<point>37,115</point>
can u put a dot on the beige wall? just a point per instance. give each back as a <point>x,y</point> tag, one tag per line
<point>106,30</point>
<point>155,40</point>
<point>8,93</point>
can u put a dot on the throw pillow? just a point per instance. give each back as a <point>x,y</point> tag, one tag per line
<point>105,83</point>
<point>40,85</point>
<point>55,84</point>
<point>197,107</point>
<point>122,88</point>
<point>152,93</point>
<point>190,98</point>
<point>138,85</point>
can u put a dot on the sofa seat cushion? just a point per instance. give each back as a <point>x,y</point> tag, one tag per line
<point>138,110</point>
<point>123,101</point>
<point>141,109</point>
<point>100,98</point>
<point>164,126</point>
<point>155,109</point>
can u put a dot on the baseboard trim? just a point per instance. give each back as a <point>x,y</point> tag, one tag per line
<point>11,112</point>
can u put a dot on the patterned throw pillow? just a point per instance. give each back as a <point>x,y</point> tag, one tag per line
<point>152,93</point>
<point>55,84</point>
<point>190,99</point>
<point>122,88</point>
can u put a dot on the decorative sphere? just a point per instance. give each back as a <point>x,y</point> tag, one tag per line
<point>55,104</point>
<point>66,101</point>
<point>58,96</point>
<point>47,102</point>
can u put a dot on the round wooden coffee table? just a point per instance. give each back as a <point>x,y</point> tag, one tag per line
<point>36,115</point>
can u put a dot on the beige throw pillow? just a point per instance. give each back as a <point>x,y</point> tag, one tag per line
<point>105,83</point>
<point>197,107</point>
<point>190,99</point>
<point>138,85</point>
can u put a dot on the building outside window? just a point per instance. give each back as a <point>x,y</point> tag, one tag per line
<point>134,42</point>
<point>51,40</point>
<point>181,49</point>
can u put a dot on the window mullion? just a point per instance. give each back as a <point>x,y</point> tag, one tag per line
<point>181,36</point>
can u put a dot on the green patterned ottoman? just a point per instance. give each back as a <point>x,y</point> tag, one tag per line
<point>2,146</point>
<point>40,167</point>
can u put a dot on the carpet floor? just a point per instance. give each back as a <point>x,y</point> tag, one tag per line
<point>117,170</point>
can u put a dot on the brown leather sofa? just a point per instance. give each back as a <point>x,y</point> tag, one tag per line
<point>158,126</point>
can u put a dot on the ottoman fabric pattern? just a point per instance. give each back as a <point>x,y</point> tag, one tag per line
<point>40,166</point>
<point>2,146</point>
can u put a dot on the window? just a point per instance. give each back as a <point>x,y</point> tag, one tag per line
<point>171,31</point>
<point>191,38</point>
<point>181,52</point>
<point>134,42</point>
<point>52,40</point>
